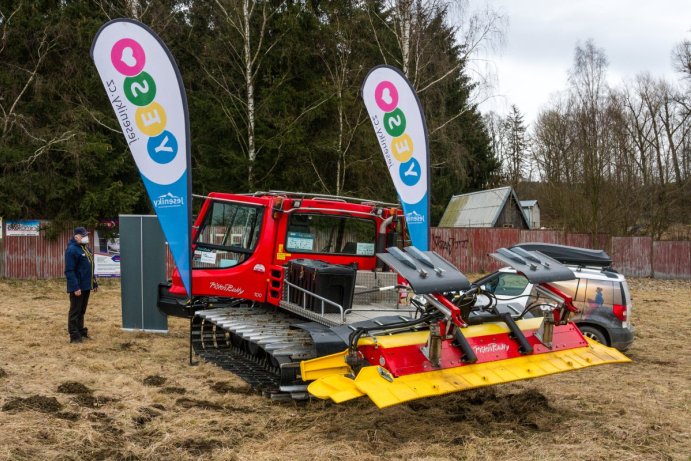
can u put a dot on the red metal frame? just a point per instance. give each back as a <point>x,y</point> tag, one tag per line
<point>455,311</point>
<point>406,360</point>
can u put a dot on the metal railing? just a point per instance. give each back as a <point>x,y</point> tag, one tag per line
<point>343,312</point>
<point>316,296</point>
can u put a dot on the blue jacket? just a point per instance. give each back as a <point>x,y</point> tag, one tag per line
<point>79,267</point>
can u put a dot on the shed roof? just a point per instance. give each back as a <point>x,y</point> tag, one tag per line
<point>478,209</point>
<point>528,203</point>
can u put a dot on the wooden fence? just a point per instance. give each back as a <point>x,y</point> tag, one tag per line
<point>33,257</point>
<point>36,257</point>
<point>468,249</point>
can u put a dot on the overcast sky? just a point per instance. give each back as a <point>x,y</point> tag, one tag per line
<point>637,36</point>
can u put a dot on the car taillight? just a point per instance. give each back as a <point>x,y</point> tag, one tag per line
<point>619,312</point>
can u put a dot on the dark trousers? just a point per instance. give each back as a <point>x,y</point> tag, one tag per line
<point>75,319</point>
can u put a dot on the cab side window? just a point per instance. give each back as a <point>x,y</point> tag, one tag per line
<point>330,234</point>
<point>228,235</point>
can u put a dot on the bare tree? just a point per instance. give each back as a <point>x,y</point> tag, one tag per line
<point>411,19</point>
<point>659,124</point>
<point>588,87</point>
<point>615,160</point>
<point>681,58</point>
<point>553,151</point>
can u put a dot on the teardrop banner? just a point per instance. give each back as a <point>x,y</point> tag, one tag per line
<point>401,130</point>
<point>145,88</point>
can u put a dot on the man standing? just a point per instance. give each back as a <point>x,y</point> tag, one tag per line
<point>79,271</point>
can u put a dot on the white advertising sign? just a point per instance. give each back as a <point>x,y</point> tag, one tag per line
<point>22,228</point>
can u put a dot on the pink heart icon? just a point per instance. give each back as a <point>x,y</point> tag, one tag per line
<point>128,57</point>
<point>386,96</point>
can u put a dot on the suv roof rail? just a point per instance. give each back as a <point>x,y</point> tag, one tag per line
<point>570,255</point>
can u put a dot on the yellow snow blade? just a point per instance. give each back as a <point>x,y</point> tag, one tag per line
<point>327,365</point>
<point>335,387</point>
<point>335,364</point>
<point>385,390</point>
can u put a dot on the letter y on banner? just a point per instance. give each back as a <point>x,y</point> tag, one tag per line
<point>399,124</point>
<point>145,88</point>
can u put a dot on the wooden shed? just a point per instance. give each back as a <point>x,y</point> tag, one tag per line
<point>489,208</point>
<point>531,210</point>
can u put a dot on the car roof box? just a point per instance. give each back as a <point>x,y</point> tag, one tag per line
<point>569,255</point>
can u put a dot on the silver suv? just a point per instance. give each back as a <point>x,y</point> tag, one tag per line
<point>600,293</point>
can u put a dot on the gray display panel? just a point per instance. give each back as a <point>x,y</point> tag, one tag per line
<point>142,268</point>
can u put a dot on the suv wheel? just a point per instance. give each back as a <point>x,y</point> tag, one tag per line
<point>593,333</point>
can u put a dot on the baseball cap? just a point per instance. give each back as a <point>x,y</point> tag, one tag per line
<point>81,231</point>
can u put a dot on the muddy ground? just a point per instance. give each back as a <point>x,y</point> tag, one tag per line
<point>132,396</point>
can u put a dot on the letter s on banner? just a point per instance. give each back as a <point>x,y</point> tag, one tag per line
<point>145,89</point>
<point>389,96</point>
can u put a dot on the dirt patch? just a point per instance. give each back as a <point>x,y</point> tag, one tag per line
<point>91,401</point>
<point>146,414</point>
<point>3,373</point>
<point>199,447</point>
<point>529,409</point>
<point>67,415</point>
<point>73,387</point>
<point>108,429</point>
<point>155,380</point>
<point>223,387</point>
<point>172,390</point>
<point>35,402</point>
<point>130,346</point>
<point>194,403</point>
<point>98,416</point>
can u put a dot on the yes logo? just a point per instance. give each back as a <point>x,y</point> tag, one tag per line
<point>402,148</point>
<point>399,126</point>
<point>129,59</point>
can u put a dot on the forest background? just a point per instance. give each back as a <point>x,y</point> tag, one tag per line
<point>273,97</point>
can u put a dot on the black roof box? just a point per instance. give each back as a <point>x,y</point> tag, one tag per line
<point>569,255</point>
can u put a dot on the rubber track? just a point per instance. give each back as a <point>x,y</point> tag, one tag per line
<point>258,344</point>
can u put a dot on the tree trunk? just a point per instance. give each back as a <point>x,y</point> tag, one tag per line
<point>249,81</point>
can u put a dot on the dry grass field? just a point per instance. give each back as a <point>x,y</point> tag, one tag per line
<point>132,396</point>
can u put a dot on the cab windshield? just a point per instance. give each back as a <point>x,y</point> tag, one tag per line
<point>228,235</point>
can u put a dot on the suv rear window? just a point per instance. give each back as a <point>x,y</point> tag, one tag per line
<point>602,292</point>
<point>588,294</point>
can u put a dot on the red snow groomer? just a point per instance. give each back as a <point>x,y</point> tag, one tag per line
<point>303,294</point>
